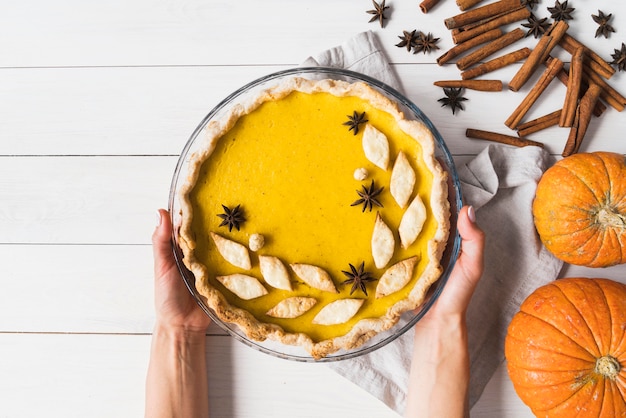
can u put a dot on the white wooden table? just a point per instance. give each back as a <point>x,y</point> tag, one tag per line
<point>97,99</point>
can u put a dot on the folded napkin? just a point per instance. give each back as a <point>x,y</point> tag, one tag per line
<point>362,54</point>
<point>500,183</point>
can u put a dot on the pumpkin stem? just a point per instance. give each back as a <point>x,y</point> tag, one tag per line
<point>608,366</point>
<point>608,216</point>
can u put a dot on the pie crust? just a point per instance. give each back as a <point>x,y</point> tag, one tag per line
<point>380,311</point>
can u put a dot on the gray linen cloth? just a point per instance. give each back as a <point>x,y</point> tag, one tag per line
<point>500,183</point>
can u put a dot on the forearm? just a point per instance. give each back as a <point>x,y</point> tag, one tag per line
<point>439,376</point>
<point>176,384</point>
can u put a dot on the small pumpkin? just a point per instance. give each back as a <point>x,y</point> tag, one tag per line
<point>566,349</point>
<point>580,209</point>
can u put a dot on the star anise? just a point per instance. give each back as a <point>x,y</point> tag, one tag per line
<point>354,121</point>
<point>378,12</point>
<point>368,197</point>
<point>530,3</point>
<point>453,99</point>
<point>619,58</point>
<point>232,217</point>
<point>358,278</point>
<point>561,11</point>
<point>425,43</point>
<point>602,20</point>
<point>407,40</point>
<point>536,26</point>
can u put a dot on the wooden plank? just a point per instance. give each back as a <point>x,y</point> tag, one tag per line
<point>499,398</point>
<point>78,289</point>
<point>86,200</point>
<point>104,376</point>
<point>118,111</point>
<point>82,200</point>
<point>111,111</point>
<point>104,288</point>
<point>193,32</point>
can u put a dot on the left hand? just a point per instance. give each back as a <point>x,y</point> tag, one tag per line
<point>176,309</point>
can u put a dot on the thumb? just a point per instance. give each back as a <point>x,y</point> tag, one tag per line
<point>470,262</point>
<point>469,266</point>
<point>162,243</point>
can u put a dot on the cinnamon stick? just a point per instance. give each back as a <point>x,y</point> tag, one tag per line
<point>563,76</point>
<point>469,44</point>
<point>480,85</point>
<point>608,93</point>
<point>583,117</point>
<point>426,5</point>
<point>473,25</point>
<point>536,125</point>
<point>466,4</point>
<point>599,65</point>
<point>500,138</point>
<point>510,17</point>
<point>556,32</point>
<point>548,75</point>
<point>573,89</point>
<point>496,63</point>
<point>530,65</point>
<point>489,49</point>
<point>480,13</point>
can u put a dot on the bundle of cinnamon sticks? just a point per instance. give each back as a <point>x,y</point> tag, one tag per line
<point>480,31</point>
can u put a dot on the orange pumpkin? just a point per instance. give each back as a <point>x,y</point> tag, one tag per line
<point>566,349</point>
<point>580,209</point>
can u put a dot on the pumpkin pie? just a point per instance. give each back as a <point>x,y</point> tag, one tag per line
<point>314,214</point>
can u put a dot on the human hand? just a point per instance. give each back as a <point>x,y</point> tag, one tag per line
<point>176,383</point>
<point>176,309</point>
<point>439,377</point>
<point>457,293</point>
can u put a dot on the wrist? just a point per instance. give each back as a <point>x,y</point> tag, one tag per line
<point>436,325</point>
<point>179,334</point>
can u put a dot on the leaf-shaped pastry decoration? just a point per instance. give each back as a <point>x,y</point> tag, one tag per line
<point>402,180</point>
<point>383,243</point>
<point>274,272</point>
<point>314,277</point>
<point>376,146</point>
<point>292,307</point>
<point>233,252</point>
<point>338,312</point>
<point>412,222</point>
<point>396,277</point>
<point>244,286</point>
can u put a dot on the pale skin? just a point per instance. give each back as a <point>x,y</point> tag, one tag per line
<point>176,384</point>
<point>439,377</point>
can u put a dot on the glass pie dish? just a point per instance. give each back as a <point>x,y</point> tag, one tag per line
<point>442,154</point>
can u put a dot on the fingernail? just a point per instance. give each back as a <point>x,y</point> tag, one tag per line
<point>471,214</point>
<point>158,224</point>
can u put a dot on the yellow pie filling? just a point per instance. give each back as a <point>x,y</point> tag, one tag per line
<point>290,166</point>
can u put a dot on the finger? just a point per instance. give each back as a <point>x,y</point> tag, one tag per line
<point>162,244</point>
<point>469,266</point>
<point>472,244</point>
